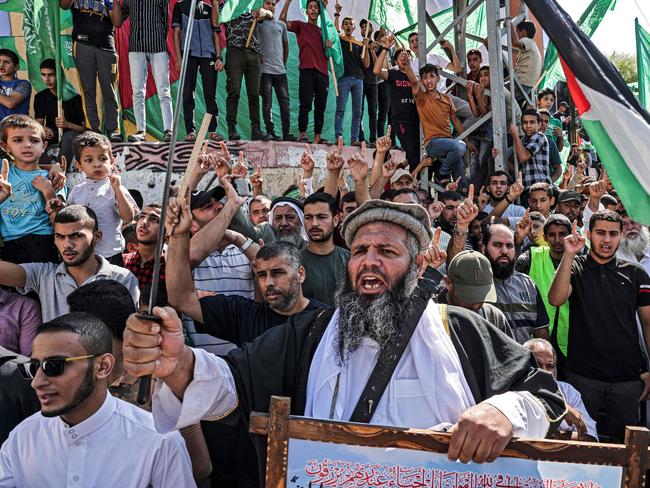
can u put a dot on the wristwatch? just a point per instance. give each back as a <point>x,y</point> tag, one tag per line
<point>460,232</point>
<point>247,243</point>
<point>219,58</point>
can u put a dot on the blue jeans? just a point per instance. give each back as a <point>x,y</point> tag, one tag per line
<point>349,84</point>
<point>450,152</point>
<point>138,63</point>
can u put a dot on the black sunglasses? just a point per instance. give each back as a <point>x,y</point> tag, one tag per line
<point>51,367</point>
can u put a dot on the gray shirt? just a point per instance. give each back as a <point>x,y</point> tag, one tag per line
<point>272,34</point>
<point>323,273</point>
<point>53,284</point>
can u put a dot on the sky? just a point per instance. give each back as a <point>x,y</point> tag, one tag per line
<point>616,32</point>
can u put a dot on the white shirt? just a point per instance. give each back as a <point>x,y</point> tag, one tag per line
<point>117,446</point>
<point>99,195</point>
<point>212,394</point>
<point>227,272</point>
<point>574,399</point>
<point>513,213</point>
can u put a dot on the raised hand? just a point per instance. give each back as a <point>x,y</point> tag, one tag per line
<point>179,216</point>
<point>513,130</point>
<point>53,205</point>
<point>231,193</point>
<point>256,178</point>
<point>453,185</point>
<point>338,7</point>
<point>307,162</point>
<point>115,179</point>
<point>239,168</point>
<point>335,158</point>
<point>523,226</point>
<point>358,168</point>
<point>517,188</point>
<point>222,161</point>
<point>5,186</point>
<point>384,143</point>
<point>435,209</point>
<point>574,242</point>
<point>483,199</point>
<point>597,189</point>
<point>435,256</point>
<point>388,169</point>
<point>466,211</point>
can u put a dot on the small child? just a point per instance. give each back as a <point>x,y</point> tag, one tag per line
<point>24,191</point>
<point>103,192</point>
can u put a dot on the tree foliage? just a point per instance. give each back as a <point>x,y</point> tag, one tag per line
<point>626,65</point>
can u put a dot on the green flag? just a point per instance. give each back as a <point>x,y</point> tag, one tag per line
<point>329,33</point>
<point>396,15</point>
<point>12,6</point>
<point>643,64</point>
<point>588,22</point>
<point>41,18</point>
<point>236,8</point>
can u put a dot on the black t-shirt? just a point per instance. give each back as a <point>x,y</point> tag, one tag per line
<point>603,334</point>
<point>238,320</point>
<point>352,65</point>
<point>92,25</point>
<point>402,102</point>
<point>45,108</point>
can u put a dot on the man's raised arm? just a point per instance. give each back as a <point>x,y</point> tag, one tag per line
<point>12,275</point>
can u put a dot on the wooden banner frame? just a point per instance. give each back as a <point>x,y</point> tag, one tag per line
<point>279,427</point>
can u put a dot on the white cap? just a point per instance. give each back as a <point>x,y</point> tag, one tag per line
<point>398,174</point>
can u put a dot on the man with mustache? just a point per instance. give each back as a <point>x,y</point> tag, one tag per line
<point>605,362</point>
<point>517,295</point>
<point>327,361</point>
<point>635,243</point>
<point>75,235</point>
<point>325,264</point>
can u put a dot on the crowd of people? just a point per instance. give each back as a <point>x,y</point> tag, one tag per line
<point>492,304</point>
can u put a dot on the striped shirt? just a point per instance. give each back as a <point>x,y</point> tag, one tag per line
<point>227,272</point>
<point>149,22</point>
<point>519,300</point>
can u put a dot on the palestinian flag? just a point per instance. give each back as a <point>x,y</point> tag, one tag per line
<point>617,125</point>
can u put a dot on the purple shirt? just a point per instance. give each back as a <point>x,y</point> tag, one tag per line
<point>19,319</point>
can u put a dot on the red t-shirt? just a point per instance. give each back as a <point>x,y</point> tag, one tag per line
<point>310,42</point>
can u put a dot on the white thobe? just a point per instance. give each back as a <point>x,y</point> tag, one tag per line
<point>212,395</point>
<point>116,446</point>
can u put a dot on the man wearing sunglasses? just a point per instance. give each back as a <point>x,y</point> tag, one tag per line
<point>95,438</point>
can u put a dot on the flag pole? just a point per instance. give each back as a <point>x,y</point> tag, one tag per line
<point>336,86</point>
<point>250,33</point>
<point>59,69</point>
<point>144,390</point>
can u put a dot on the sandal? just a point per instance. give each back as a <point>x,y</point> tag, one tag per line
<point>191,136</point>
<point>215,137</point>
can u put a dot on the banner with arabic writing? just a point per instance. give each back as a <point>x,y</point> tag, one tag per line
<point>314,464</point>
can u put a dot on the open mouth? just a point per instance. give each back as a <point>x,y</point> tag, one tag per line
<point>371,284</point>
<point>46,398</point>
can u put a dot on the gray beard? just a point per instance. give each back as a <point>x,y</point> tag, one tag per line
<point>379,319</point>
<point>295,238</point>
<point>637,246</point>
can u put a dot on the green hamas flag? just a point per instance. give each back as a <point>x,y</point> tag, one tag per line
<point>588,22</point>
<point>643,63</point>
<point>236,8</point>
<point>40,21</point>
<point>329,34</point>
<point>12,6</point>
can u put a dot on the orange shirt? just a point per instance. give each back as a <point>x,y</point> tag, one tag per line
<point>435,110</point>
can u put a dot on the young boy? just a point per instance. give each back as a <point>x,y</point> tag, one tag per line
<point>24,191</point>
<point>103,192</point>
<point>14,92</point>
<point>46,114</point>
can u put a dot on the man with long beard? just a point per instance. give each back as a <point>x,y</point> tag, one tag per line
<point>605,362</point>
<point>95,438</point>
<point>325,263</point>
<point>635,243</point>
<point>517,295</point>
<point>384,356</point>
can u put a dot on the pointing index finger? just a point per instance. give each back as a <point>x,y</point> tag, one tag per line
<point>388,131</point>
<point>307,149</point>
<point>470,193</point>
<point>436,236</point>
<point>5,169</point>
<point>520,178</point>
<point>340,144</point>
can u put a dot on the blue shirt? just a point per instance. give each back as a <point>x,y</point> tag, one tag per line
<point>23,212</point>
<point>7,88</point>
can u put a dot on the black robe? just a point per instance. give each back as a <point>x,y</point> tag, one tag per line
<point>278,362</point>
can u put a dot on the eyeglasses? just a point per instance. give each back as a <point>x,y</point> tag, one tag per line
<point>51,367</point>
